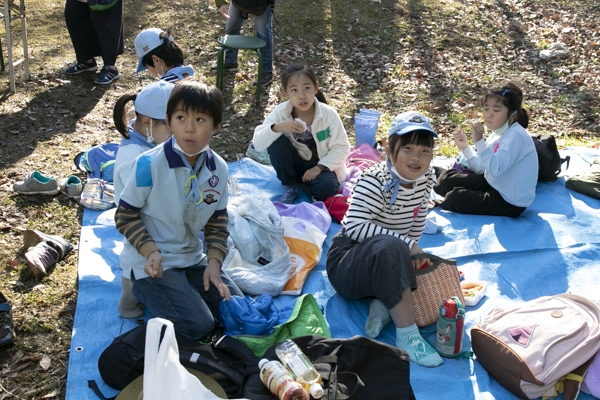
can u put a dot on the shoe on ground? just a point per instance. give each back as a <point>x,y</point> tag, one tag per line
<point>78,68</point>
<point>267,77</point>
<point>7,333</point>
<point>106,76</point>
<point>259,156</point>
<point>32,238</point>
<point>71,186</point>
<point>36,183</point>
<point>227,67</point>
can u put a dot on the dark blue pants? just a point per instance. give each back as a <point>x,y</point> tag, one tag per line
<point>290,168</point>
<point>95,33</point>
<point>379,266</point>
<point>472,194</point>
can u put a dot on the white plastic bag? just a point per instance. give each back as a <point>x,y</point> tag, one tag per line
<point>259,258</point>
<point>164,376</point>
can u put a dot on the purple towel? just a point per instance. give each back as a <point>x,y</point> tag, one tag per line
<point>591,382</point>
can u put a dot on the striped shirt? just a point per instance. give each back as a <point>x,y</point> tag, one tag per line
<point>369,213</point>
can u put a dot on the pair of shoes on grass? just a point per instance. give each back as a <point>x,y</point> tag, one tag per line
<point>106,75</point>
<point>36,183</point>
<point>43,251</point>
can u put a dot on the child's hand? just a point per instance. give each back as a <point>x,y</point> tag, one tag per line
<point>311,174</point>
<point>153,266</point>
<point>224,11</point>
<point>212,274</point>
<point>419,263</point>
<point>477,130</point>
<point>289,126</point>
<point>460,138</point>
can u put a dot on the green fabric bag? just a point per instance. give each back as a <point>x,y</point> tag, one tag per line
<point>306,319</point>
<point>587,182</point>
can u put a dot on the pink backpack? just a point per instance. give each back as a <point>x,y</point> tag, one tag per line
<point>363,156</point>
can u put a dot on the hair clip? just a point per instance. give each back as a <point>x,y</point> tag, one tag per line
<point>505,92</point>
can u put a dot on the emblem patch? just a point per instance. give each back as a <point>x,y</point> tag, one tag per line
<point>209,199</point>
<point>416,119</point>
<point>522,335</point>
<point>213,181</point>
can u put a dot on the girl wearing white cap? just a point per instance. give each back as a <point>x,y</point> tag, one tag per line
<point>371,256</point>
<point>142,133</point>
<point>161,56</point>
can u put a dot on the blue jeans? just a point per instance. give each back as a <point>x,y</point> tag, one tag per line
<point>179,296</point>
<point>264,30</point>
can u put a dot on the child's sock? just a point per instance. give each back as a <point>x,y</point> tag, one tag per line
<point>129,306</point>
<point>291,194</point>
<point>410,340</point>
<point>379,317</point>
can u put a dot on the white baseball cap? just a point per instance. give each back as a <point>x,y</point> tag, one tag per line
<point>152,100</point>
<point>410,121</point>
<point>146,41</point>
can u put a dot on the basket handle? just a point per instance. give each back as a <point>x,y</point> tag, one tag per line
<point>435,262</point>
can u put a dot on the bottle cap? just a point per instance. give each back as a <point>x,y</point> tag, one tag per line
<point>316,390</point>
<point>262,362</point>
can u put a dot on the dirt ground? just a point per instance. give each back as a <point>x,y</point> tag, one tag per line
<point>435,56</point>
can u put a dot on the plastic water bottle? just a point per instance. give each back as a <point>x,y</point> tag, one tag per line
<point>280,381</point>
<point>301,368</point>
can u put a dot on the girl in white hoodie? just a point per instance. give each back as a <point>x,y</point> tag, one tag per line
<point>305,138</point>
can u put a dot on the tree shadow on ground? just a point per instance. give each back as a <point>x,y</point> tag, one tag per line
<point>56,110</point>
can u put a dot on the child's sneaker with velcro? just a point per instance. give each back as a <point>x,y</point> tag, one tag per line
<point>36,183</point>
<point>43,251</point>
<point>71,186</point>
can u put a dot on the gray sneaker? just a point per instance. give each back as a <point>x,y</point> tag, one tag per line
<point>71,186</point>
<point>36,183</point>
<point>259,156</point>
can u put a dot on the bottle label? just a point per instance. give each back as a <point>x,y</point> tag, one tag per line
<point>298,365</point>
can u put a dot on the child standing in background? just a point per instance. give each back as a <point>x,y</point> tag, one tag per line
<point>371,256</point>
<point>173,192</point>
<point>304,137</point>
<point>147,130</point>
<point>161,56</point>
<point>505,165</point>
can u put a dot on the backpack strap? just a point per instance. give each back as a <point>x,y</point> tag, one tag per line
<point>94,386</point>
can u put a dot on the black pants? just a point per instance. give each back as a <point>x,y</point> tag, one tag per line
<point>95,33</point>
<point>290,168</point>
<point>472,194</point>
<point>379,266</point>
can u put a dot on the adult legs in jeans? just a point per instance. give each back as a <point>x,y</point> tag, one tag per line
<point>264,30</point>
<point>381,267</point>
<point>472,194</point>
<point>179,296</point>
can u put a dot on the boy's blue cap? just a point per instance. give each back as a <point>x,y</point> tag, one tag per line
<point>410,121</point>
<point>146,41</point>
<point>152,100</point>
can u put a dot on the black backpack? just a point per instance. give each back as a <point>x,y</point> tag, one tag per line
<point>358,368</point>
<point>227,360</point>
<point>549,159</point>
<point>256,7</point>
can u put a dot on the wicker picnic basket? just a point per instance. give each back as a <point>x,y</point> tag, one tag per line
<point>439,281</point>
